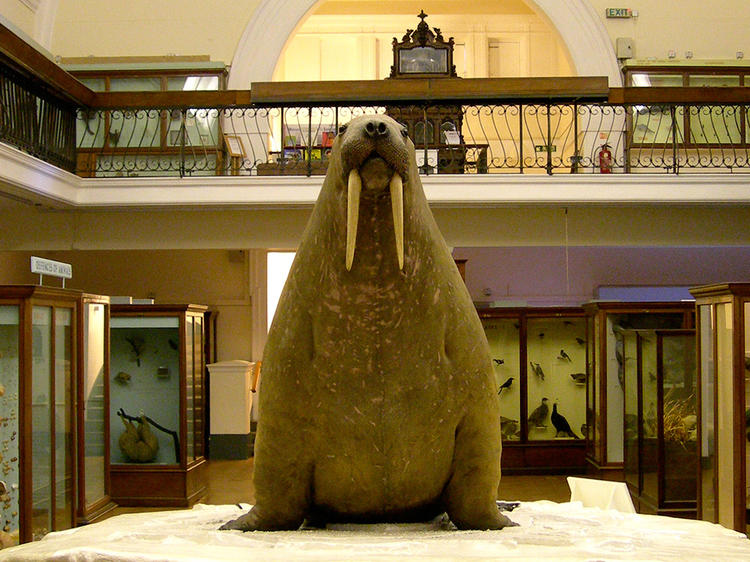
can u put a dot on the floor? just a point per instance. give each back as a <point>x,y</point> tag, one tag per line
<point>230,482</point>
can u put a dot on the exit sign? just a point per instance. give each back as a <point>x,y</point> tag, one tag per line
<point>619,13</point>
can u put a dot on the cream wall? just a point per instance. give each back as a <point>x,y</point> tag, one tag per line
<point>711,30</point>
<point>144,28</point>
<point>216,278</point>
<point>20,14</point>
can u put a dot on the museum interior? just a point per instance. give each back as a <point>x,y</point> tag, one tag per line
<point>587,165</point>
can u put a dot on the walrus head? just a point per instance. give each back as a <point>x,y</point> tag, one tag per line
<point>374,152</point>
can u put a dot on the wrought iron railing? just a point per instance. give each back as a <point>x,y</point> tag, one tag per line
<point>35,120</point>
<point>469,126</point>
<point>450,138</point>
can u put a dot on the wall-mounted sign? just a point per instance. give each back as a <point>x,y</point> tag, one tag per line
<point>545,148</point>
<point>618,12</point>
<point>50,267</point>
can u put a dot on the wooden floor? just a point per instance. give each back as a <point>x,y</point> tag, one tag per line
<point>230,482</point>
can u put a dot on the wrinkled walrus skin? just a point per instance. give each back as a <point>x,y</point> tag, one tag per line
<point>378,401</point>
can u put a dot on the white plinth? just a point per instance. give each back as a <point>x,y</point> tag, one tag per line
<point>231,397</point>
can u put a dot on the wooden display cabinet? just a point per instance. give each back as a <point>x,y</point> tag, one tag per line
<point>660,420</point>
<point>158,368</point>
<point>38,368</point>
<point>605,322</point>
<point>723,326</point>
<point>92,412</point>
<point>544,350</point>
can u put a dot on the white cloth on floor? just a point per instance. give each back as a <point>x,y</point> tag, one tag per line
<point>546,531</point>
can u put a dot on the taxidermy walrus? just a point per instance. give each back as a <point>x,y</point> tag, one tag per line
<point>379,401</point>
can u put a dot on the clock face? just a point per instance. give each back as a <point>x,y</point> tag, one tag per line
<point>423,60</point>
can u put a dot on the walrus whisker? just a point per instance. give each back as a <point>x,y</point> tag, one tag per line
<point>354,188</point>
<point>397,203</point>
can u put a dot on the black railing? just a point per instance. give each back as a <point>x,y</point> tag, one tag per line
<point>450,138</point>
<point>481,126</point>
<point>36,121</point>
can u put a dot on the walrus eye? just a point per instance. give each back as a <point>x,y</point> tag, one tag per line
<point>404,132</point>
<point>342,129</point>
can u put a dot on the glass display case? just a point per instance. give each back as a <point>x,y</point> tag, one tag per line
<point>92,411</point>
<point>605,371</point>
<point>723,325</point>
<point>660,432</point>
<point>37,405</point>
<point>156,404</point>
<point>539,357</point>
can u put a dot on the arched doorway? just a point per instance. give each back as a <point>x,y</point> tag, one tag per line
<point>576,21</point>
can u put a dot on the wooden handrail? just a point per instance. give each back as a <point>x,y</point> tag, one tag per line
<point>682,95</point>
<point>31,62</point>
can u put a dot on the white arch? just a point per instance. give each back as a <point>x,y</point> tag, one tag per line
<point>578,24</point>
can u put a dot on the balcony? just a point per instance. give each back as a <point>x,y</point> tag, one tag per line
<point>555,140</point>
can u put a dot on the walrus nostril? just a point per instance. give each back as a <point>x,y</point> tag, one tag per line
<point>375,130</point>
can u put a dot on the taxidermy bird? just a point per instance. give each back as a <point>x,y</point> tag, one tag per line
<point>539,415</point>
<point>580,341</point>
<point>536,368</point>
<point>564,356</point>
<point>499,361</point>
<point>561,424</point>
<point>578,378</point>
<point>506,384</point>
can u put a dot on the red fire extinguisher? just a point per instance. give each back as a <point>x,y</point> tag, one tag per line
<point>605,159</point>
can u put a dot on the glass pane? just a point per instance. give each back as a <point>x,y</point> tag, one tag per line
<point>746,361</point>
<point>615,382</point>
<point>145,380</point>
<point>502,335</point>
<point>9,489</point>
<point>713,81</point>
<point>136,84</point>
<point>652,124</point>
<point>725,477</point>
<point>650,448</point>
<point>41,421</point>
<point>708,434</point>
<point>557,365</point>
<point>189,393</point>
<point>198,388</point>
<point>135,128</point>
<point>93,401</point>
<point>680,432</point>
<point>715,124</point>
<point>647,79</point>
<point>630,375</point>
<point>193,83</point>
<point>423,133</point>
<point>63,423</point>
<point>195,128</point>
<point>592,421</point>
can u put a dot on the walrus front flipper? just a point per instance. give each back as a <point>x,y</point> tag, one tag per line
<point>253,520</point>
<point>470,495</point>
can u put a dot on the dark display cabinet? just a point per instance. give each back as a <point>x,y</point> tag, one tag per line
<point>156,405</point>
<point>543,351</point>
<point>723,326</point>
<point>660,431</point>
<point>605,323</point>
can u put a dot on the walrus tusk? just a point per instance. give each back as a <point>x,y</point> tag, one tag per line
<point>397,203</point>
<point>352,215</point>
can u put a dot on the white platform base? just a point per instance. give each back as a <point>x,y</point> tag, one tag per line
<point>546,531</point>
